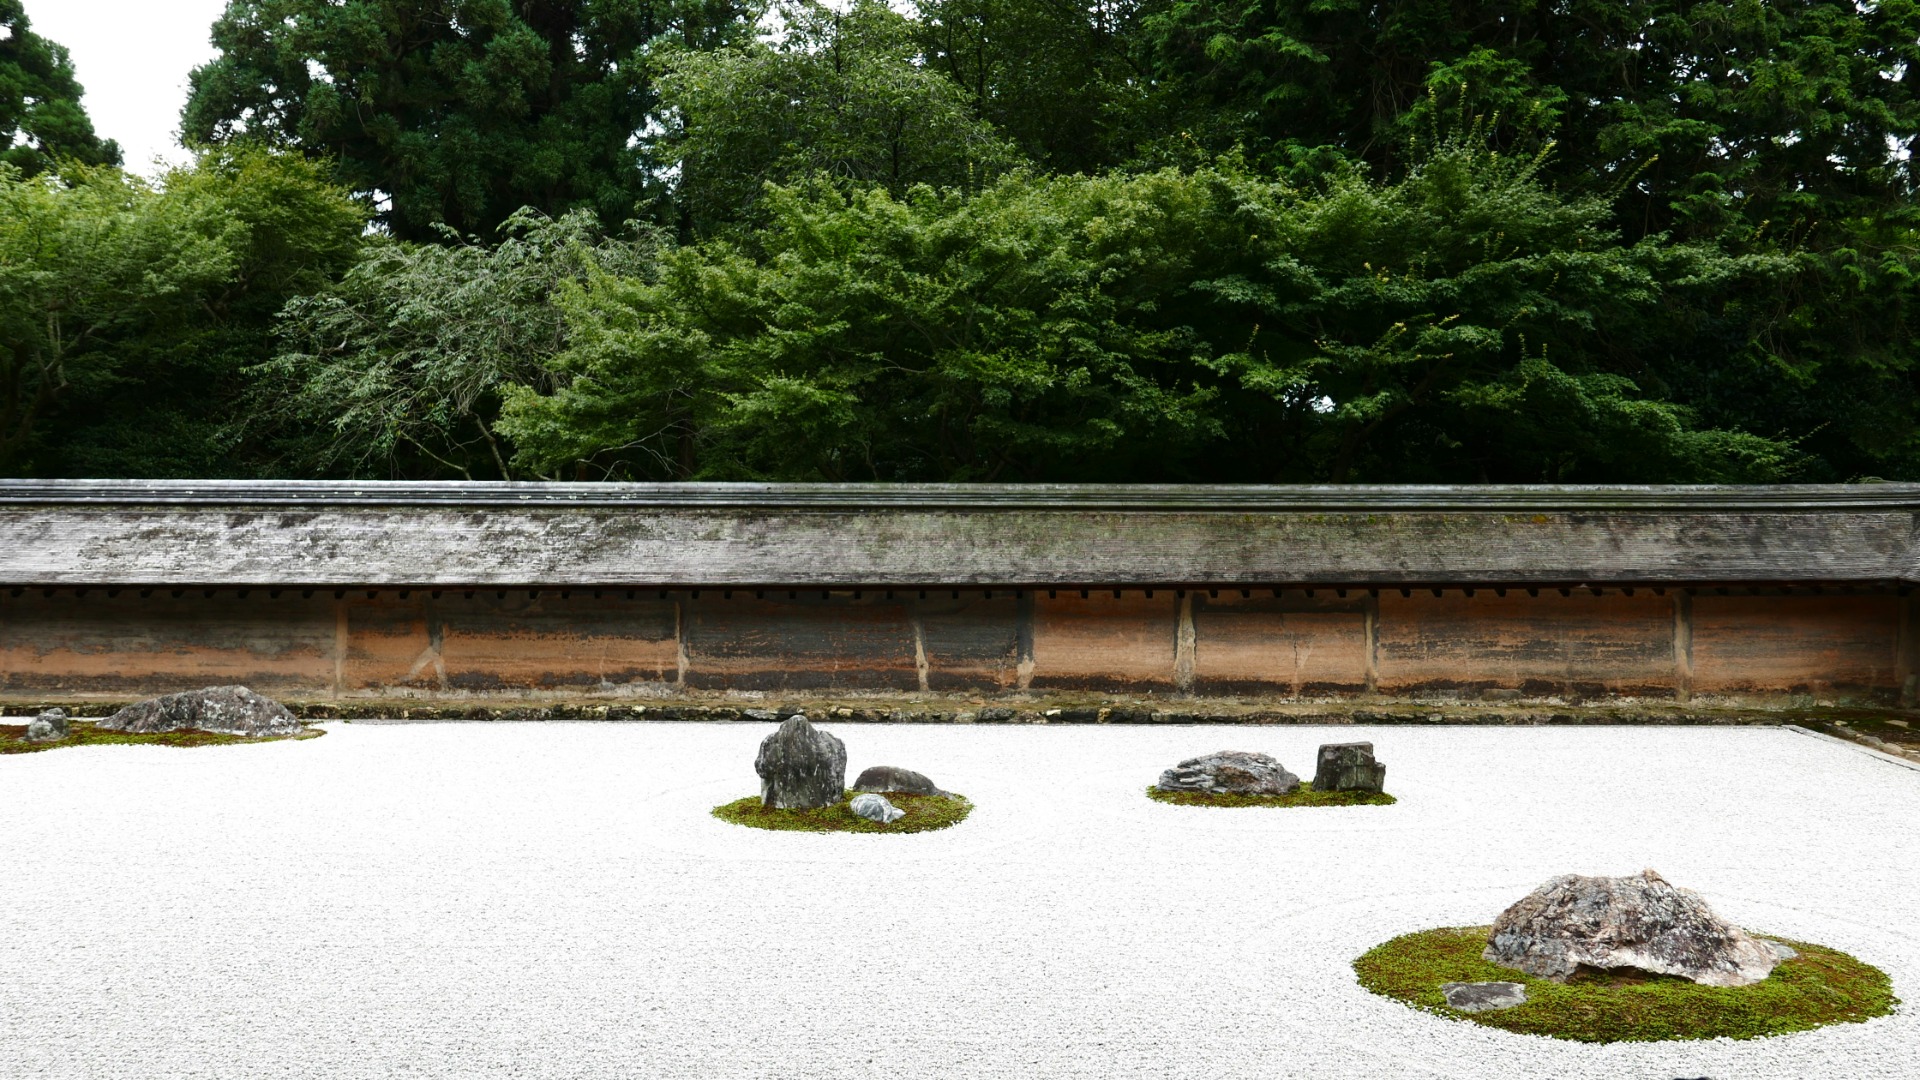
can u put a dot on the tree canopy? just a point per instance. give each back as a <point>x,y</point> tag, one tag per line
<point>455,112</point>
<point>41,118</point>
<point>1183,240</point>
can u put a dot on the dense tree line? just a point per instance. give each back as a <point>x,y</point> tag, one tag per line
<point>1121,240</point>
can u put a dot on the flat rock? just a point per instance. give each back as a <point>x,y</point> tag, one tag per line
<point>1230,772</point>
<point>894,778</point>
<point>1639,922</point>
<point>226,710</point>
<point>1781,950</point>
<point>1348,767</point>
<point>876,808</point>
<point>1484,996</point>
<point>800,767</point>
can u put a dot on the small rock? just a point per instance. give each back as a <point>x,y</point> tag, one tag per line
<point>1230,772</point>
<point>1781,950</point>
<point>226,710</point>
<point>1638,922</point>
<point>1484,996</point>
<point>49,726</point>
<point>800,767</point>
<point>893,778</point>
<point>876,808</point>
<point>1349,767</point>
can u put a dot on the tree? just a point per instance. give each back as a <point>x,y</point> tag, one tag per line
<point>1464,323</point>
<point>456,112</point>
<point>841,95</point>
<point>396,370</point>
<point>1774,129</point>
<point>41,119</point>
<point>128,308</point>
<point>1065,81</point>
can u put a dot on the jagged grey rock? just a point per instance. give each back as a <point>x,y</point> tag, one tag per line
<point>800,767</point>
<point>1230,772</point>
<point>1348,767</point>
<point>893,778</point>
<point>49,726</point>
<point>876,808</point>
<point>227,710</point>
<point>1639,921</point>
<point>1484,996</point>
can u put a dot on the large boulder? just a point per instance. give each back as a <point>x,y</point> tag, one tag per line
<point>1230,772</point>
<point>800,767</point>
<point>49,726</point>
<point>1638,922</point>
<point>892,778</point>
<point>226,710</point>
<point>1348,766</point>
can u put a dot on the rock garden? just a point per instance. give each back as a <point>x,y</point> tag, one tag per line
<point>215,716</point>
<point>803,788</point>
<point>1624,959</point>
<point>1346,775</point>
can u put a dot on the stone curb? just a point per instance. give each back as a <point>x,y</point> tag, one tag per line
<point>1893,759</point>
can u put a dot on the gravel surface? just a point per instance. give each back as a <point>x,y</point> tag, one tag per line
<point>553,900</point>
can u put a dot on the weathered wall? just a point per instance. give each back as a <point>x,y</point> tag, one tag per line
<point>1675,644</point>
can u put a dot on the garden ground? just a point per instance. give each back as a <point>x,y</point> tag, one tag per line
<point>555,900</point>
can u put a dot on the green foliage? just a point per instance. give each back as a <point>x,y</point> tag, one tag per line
<point>1464,323</point>
<point>396,370</point>
<point>41,119</point>
<point>840,95</point>
<point>925,813</point>
<point>1303,796</point>
<point>456,112</point>
<point>1823,986</point>
<point>1062,80</point>
<point>128,308</point>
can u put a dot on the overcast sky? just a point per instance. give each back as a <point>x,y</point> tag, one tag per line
<point>132,56</point>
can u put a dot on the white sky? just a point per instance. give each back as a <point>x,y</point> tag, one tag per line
<point>132,57</point>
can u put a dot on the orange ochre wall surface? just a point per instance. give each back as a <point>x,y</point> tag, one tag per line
<point>1290,643</point>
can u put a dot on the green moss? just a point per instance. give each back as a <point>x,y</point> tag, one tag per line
<point>1821,987</point>
<point>13,738</point>
<point>1304,796</point>
<point>925,813</point>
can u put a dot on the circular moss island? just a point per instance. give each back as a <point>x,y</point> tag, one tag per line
<point>1820,986</point>
<point>1304,795</point>
<point>925,813</point>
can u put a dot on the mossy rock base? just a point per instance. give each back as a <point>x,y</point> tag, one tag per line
<point>925,813</point>
<point>1303,796</point>
<point>13,738</point>
<point>1820,987</point>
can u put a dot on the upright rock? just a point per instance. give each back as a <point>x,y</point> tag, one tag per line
<point>226,710</point>
<point>892,778</point>
<point>49,726</point>
<point>1230,772</point>
<point>1637,922</point>
<point>800,767</point>
<point>1348,767</point>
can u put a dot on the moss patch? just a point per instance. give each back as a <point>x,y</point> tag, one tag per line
<point>1303,796</point>
<point>1822,986</point>
<point>925,813</point>
<point>13,738</point>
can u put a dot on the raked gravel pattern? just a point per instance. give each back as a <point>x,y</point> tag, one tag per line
<point>553,900</point>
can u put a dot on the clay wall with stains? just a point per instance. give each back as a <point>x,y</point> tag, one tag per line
<point>1850,646</point>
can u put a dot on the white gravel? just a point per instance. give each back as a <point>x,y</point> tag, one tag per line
<point>554,901</point>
